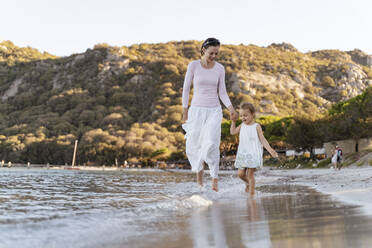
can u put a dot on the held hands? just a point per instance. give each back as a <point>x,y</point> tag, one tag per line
<point>233,114</point>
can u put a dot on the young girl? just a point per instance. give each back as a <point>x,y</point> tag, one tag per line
<point>251,140</point>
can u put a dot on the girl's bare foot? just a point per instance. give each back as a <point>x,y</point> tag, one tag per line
<point>246,187</point>
<point>215,184</point>
<point>252,192</point>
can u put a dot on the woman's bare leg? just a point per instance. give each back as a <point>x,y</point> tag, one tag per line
<point>199,177</point>
<point>215,184</point>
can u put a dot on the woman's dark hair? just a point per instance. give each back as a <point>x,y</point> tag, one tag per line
<point>209,42</point>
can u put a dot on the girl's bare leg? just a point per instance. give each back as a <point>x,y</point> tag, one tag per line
<point>247,181</point>
<point>252,181</point>
<point>215,184</point>
<point>242,174</point>
<point>199,177</point>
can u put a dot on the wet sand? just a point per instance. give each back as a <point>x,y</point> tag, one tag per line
<point>352,184</point>
<point>290,216</point>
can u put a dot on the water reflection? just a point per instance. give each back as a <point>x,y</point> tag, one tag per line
<point>294,217</point>
<point>305,218</point>
<point>239,224</point>
<point>207,228</point>
<point>254,231</point>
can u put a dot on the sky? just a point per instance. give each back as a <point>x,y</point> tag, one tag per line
<point>71,26</point>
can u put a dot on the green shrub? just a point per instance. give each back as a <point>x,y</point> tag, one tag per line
<point>324,163</point>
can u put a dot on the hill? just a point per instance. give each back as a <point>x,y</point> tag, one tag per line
<point>125,102</point>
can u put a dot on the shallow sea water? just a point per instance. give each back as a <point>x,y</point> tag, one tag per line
<point>61,208</point>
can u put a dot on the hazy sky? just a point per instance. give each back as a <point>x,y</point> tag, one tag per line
<point>72,26</point>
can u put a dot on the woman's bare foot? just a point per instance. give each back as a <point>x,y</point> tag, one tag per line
<point>215,184</point>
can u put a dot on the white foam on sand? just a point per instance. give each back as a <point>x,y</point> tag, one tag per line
<point>352,185</point>
<point>178,205</point>
<point>190,196</point>
<point>198,200</point>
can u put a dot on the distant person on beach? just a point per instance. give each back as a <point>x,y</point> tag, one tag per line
<point>337,157</point>
<point>202,121</point>
<point>250,151</point>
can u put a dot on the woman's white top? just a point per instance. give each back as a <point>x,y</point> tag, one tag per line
<point>209,86</point>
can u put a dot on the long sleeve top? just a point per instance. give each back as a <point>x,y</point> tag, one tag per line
<point>206,82</point>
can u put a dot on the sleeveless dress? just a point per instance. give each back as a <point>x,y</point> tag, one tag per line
<point>250,149</point>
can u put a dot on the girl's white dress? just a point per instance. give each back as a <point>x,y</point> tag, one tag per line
<point>250,149</point>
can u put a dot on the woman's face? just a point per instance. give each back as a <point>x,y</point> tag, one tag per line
<point>211,53</point>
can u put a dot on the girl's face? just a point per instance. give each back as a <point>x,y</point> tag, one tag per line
<point>211,53</point>
<point>246,116</point>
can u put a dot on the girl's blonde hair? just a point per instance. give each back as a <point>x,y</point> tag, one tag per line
<point>248,106</point>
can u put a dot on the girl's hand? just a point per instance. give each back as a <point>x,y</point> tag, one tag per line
<point>273,153</point>
<point>234,117</point>
<point>184,115</point>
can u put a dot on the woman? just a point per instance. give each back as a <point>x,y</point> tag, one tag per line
<point>334,158</point>
<point>202,122</point>
<point>337,157</point>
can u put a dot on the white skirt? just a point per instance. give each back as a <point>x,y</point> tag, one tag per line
<point>334,158</point>
<point>203,136</point>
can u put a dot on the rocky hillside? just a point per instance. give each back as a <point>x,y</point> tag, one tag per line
<point>126,101</point>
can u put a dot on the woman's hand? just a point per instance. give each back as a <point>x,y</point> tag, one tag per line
<point>184,115</point>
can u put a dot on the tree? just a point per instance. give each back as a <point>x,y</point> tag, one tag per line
<point>304,133</point>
